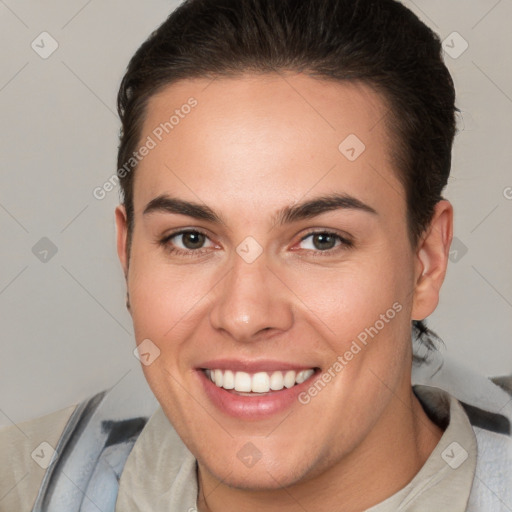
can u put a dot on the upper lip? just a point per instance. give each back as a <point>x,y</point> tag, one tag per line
<point>252,366</point>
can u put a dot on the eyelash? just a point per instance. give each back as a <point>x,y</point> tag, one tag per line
<point>191,253</point>
<point>165,242</point>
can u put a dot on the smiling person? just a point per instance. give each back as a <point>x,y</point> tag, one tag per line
<point>283,234</point>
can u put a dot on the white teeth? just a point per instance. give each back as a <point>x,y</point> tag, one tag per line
<point>260,382</point>
<point>218,378</point>
<point>289,379</point>
<point>243,382</point>
<point>303,375</point>
<point>300,377</point>
<point>276,381</point>
<point>229,380</point>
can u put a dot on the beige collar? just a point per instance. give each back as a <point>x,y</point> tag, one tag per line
<point>445,480</point>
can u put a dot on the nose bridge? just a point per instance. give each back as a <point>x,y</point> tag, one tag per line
<point>249,300</point>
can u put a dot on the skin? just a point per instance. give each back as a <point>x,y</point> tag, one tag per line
<point>254,145</point>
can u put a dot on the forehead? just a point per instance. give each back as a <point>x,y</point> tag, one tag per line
<point>274,137</point>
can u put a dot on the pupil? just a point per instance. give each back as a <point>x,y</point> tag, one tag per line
<point>324,241</point>
<point>193,240</point>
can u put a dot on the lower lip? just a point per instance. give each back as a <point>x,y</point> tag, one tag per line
<point>255,407</point>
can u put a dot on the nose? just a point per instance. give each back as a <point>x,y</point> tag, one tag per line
<point>251,303</point>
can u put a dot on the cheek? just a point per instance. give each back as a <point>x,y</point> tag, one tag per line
<point>163,297</point>
<point>352,298</point>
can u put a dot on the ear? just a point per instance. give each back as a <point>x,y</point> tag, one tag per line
<point>432,260</point>
<point>122,235</point>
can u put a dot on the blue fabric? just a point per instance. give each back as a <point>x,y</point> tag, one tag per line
<point>92,452</point>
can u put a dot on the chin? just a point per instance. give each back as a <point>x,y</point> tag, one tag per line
<point>260,477</point>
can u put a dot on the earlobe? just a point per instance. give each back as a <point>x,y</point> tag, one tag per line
<point>432,261</point>
<point>122,232</point>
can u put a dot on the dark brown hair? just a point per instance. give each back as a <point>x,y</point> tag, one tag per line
<point>377,42</point>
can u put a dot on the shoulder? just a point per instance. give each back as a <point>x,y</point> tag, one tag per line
<point>82,447</point>
<point>492,487</point>
<point>487,403</point>
<point>27,450</point>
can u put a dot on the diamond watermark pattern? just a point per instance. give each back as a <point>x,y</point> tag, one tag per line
<point>44,250</point>
<point>454,455</point>
<point>146,352</point>
<point>455,45</point>
<point>44,45</point>
<point>352,147</point>
<point>44,455</point>
<point>249,455</point>
<point>457,250</point>
<point>249,250</point>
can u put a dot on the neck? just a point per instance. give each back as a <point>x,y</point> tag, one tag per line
<point>382,464</point>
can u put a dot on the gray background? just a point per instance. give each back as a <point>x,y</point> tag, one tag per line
<point>65,331</point>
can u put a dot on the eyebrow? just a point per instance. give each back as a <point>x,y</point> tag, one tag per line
<point>287,215</point>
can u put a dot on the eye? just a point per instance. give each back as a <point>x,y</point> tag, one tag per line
<point>188,242</point>
<point>324,241</point>
<point>191,239</point>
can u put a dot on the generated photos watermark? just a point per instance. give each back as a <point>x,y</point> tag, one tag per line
<point>357,345</point>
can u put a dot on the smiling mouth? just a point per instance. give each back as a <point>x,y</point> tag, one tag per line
<point>253,384</point>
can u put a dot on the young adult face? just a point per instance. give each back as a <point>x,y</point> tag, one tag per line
<point>252,147</point>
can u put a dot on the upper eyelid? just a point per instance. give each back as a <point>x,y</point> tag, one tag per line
<point>345,240</point>
<point>184,231</point>
<point>345,236</point>
<point>170,236</point>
